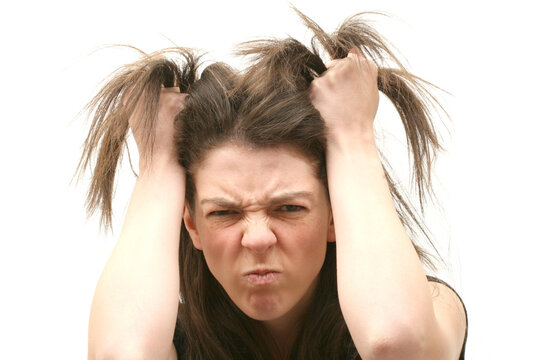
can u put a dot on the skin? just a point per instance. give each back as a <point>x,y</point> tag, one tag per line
<point>134,308</point>
<point>404,317</point>
<point>262,208</point>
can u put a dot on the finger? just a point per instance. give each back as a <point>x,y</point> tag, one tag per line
<point>358,57</point>
<point>355,51</point>
<point>332,63</point>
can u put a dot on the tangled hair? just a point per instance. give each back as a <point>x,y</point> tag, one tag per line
<point>266,105</point>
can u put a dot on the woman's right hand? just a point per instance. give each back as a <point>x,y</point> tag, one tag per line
<point>135,304</point>
<point>163,150</point>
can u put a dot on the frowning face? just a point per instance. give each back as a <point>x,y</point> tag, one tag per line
<point>262,220</point>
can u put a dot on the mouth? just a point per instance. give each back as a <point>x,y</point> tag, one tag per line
<point>262,276</point>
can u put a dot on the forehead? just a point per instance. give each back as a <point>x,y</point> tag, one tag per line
<point>247,173</point>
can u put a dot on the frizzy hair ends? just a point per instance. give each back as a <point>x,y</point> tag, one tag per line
<point>265,105</point>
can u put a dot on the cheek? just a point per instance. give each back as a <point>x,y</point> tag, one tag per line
<point>315,248</point>
<point>314,243</point>
<point>219,248</point>
<point>306,244</point>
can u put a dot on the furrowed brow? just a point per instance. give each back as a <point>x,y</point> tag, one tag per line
<point>281,198</point>
<point>285,197</point>
<point>221,201</point>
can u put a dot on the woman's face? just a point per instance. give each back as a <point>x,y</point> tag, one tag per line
<point>262,220</point>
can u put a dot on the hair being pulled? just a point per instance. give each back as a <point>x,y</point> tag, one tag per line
<point>112,107</point>
<point>265,105</point>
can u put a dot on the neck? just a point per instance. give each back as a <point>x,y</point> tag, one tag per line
<point>284,335</point>
<point>285,329</point>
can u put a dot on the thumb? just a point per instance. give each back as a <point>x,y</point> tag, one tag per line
<point>355,51</point>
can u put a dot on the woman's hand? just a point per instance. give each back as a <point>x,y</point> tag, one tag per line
<point>135,304</point>
<point>346,95</point>
<point>171,102</point>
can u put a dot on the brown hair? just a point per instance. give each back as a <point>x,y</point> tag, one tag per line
<point>265,105</point>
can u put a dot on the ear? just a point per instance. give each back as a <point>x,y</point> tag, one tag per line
<point>191,228</point>
<point>331,236</point>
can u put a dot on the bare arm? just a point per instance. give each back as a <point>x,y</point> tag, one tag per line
<point>386,300</point>
<point>135,304</point>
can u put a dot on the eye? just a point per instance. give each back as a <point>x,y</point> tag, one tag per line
<point>291,208</point>
<point>222,213</point>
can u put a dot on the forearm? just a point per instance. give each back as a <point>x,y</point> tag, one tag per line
<point>382,287</point>
<point>136,300</point>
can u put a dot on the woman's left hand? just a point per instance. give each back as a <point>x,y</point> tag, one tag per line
<point>346,95</point>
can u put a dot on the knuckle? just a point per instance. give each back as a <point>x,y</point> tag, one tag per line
<point>315,84</point>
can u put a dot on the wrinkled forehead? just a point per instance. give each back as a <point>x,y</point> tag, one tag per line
<point>243,155</point>
<point>241,171</point>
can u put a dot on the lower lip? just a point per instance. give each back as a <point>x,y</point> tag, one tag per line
<point>267,278</point>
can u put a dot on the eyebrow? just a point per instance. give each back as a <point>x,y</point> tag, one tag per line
<point>281,198</point>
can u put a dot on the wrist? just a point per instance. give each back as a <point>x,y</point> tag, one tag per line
<point>352,139</point>
<point>159,165</point>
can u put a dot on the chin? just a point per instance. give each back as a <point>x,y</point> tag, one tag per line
<point>262,317</point>
<point>263,308</point>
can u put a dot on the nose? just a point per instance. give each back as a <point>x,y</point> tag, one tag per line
<point>258,236</point>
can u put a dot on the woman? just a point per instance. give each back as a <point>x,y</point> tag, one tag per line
<point>262,200</point>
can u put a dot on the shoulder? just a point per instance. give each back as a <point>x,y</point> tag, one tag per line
<point>450,310</point>
<point>445,295</point>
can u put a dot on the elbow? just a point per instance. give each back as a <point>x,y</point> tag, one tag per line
<point>404,342</point>
<point>390,347</point>
<point>109,345</point>
<point>129,352</point>
<point>115,352</point>
<point>111,355</point>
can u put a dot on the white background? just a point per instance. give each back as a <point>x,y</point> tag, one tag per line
<point>485,53</point>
